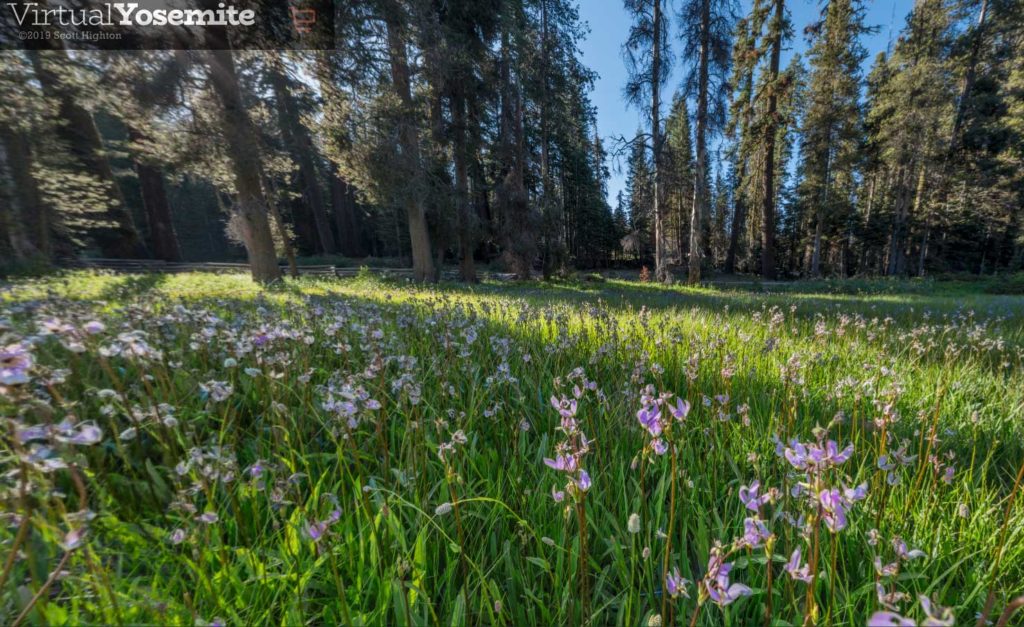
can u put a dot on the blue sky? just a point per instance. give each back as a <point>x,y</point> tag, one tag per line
<point>609,25</point>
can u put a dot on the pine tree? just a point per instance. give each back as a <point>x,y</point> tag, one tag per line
<point>707,24</point>
<point>832,125</point>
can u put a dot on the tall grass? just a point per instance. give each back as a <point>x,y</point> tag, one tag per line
<point>191,449</point>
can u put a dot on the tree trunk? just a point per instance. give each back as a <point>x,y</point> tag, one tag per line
<point>346,217</point>
<point>661,271</point>
<point>300,147</point>
<point>250,209</point>
<point>518,221</point>
<point>918,204</point>
<point>26,215</point>
<point>78,130</point>
<point>419,236</point>
<point>896,236</point>
<point>739,220</point>
<point>162,240</point>
<point>460,156</point>
<point>700,192</point>
<point>771,128</point>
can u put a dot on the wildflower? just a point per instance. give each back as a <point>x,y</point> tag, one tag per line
<point>889,600</point>
<point>947,476</point>
<point>717,584</point>
<point>557,495</point>
<point>94,327</point>
<point>675,585</point>
<point>750,498</point>
<point>633,524</point>
<point>15,362</point>
<point>681,409</point>
<point>216,390</point>
<point>890,619</point>
<point>795,570</point>
<point>73,539</point>
<point>886,570</point>
<point>178,536</point>
<point>659,446</point>
<point>755,533</point>
<point>936,616</point>
<point>900,547</point>
<point>86,434</point>
<point>208,518</point>
<point>814,457</point>
<point>650,419</point>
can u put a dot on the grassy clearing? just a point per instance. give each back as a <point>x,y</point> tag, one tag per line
<point>367,452</point>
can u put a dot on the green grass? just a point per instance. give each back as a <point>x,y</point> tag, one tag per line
<point>474,536</point>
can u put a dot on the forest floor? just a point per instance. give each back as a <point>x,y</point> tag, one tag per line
<point>195,449</point>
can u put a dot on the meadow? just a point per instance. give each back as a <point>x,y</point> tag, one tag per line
<point>196,450</point>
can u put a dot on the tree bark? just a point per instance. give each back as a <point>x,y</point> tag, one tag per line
<point>700,191</point>
<point>771,128</point>
<point>419,236</point>
<point>250,209</point>
<point>460,156</point>
<point>26,215</point>
<point>518,221</point>
<point>346,217</point>
<point>162,239</point>
<point>661,271</point>
<point>739,220</point>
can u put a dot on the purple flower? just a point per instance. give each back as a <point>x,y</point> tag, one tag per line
<point>936,616</point>
<point>565,463</point>
<point>858,493</point>
<point>947,477</point>
<point>583,483</point>
<point>15,362</point>
<point>682,408</point>
<point>94,327</point>
<point>750,498</point>
<point>566,407</point>
<point>814,457</point>
<point>659,446</point>
<point>85,434</point>
<point>650,419</point>
<point>795,570</point>
<point>900,547</point>
<point>208,518</point>
<point>720,590</point>
<point>675,585</point>
<point>315,530</point>
<point>755,533</point>
<point>73,539</point>
<point>834,507</point>
<point>889,619</point>
<point>557,495</point>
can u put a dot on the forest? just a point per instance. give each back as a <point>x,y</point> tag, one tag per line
<point>462,133</point>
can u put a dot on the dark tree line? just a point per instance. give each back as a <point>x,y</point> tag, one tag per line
<point>461,132</point>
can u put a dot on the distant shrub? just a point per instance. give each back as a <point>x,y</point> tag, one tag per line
<point>1006,284</point>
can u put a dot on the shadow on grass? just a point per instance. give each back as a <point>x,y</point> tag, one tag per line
<point>133,286</point>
